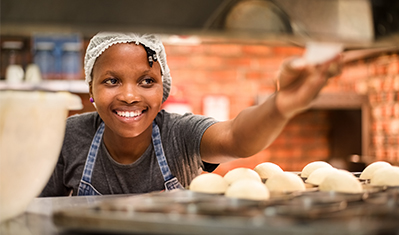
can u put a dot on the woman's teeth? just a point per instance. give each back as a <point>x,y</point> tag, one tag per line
<point>129,114</point>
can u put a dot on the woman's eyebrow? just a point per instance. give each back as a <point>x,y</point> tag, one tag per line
<point>109,72</point>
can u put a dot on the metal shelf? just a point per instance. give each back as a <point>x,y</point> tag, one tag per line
<point>73,86</point>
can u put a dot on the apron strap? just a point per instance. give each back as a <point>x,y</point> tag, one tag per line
<point>163,164</point>
<point>91,157</point>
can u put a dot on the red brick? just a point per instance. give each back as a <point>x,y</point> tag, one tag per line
<point>378,140</point>
<point>354,73</point>
<point>239,62</point>
<point>185,50</point>
<point>288,51</point>
<point>206,62</point>
<point>392,155</point>
<point>393,140</point>
<point>395,85</point>
<point>317,153</point>
<point>177,62</point>
<point>224,50</point>
<point>372,98</point>
<point>377,112</point>
<point>395,110</point>
<point>393,67</point>
<point>256,75</point>
<point>222,75</point>
<point>270,64</point>
<point>257,50</point>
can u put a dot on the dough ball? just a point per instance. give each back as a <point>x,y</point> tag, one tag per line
<point>368,172</point>
<point>318,175</point>
<point>285,182</point>
<point>248,189</point>
<point>309,168</point>
<point>209,183</point>
<point>342,182</point>
<point>267,169</point>
<point>386,176</point>
<point>241,173</point>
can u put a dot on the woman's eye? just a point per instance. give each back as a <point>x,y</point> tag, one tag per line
<point>111,81</point>
<point>147,81</point>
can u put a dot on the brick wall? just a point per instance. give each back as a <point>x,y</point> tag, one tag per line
<point>383,91</point>
<point>241,72</point>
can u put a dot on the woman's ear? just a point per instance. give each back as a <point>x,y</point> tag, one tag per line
<point>91,95</point>
<point>90,89</point>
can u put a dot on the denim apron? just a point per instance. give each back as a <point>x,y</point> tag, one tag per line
<point>85,187</point>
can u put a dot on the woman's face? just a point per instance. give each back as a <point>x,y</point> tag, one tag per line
<point>127,91</point>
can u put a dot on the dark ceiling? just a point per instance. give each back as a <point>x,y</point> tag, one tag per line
<point>163,15</point>
<point>360,21</point>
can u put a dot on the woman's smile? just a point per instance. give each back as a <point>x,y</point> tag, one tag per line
<point>129,114</point>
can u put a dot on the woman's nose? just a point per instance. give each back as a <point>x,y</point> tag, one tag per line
<point>129,94</point>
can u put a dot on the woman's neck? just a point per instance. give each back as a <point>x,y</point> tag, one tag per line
<point>126,150</point>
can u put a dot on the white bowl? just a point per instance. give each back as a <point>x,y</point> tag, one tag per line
<point>32,127</point>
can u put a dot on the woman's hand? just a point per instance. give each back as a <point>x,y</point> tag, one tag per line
<point>299,83</point>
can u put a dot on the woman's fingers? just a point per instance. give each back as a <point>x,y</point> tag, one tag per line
<point>290,70</point>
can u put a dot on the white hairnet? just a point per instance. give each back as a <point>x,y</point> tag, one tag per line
<point>103,40</point>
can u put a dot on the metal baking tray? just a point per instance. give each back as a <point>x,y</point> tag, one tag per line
<point>187,212</point>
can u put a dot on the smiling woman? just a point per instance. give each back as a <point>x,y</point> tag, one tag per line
<point>125,147</point>
<point>129,145</point>
<point>127,92</point>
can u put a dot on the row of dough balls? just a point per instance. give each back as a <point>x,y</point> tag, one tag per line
<point>328,178</point>
<point>246,183</point>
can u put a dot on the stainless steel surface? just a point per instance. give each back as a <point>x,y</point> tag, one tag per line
<point>37,219</point>
<point>184,212</point>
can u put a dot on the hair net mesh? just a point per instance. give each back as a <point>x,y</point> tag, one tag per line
<point>103,40</point>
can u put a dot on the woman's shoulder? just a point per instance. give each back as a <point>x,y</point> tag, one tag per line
<point>165,118</point>
<point>87,122</point>
<point>167,121</point>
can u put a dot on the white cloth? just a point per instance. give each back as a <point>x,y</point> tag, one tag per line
<point>103,40</point>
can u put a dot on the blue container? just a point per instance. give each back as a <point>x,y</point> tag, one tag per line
<point>71,61</point>
<point>45,59</point>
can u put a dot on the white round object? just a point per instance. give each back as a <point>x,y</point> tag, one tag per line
<point>285,182</point>
<point>248,189</point>
<point>342,182</point>
<point>386,176</point>
<point>33,74</point>
<point>368,172</point>
<point>32,127</point>
<point>209,183</point>
<point>309,168</point>
<point>267,169</point>
<point>14,73</point>
<point>240,174</point>
<point>318,175</point>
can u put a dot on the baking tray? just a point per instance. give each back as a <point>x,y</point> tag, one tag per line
<point>187,212</point>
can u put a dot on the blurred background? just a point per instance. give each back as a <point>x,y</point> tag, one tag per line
<point>224,56</point>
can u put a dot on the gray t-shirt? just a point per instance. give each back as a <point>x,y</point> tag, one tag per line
<point>180,134</point>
